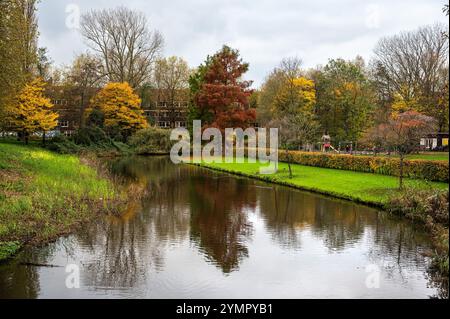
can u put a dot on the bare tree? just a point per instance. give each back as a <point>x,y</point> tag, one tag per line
<point>85,74</point>
<point>122,38</point>
<point>291,68</point>
<point>171,77</point>
<point>415,65</point>
<point>446,10</point>
<point>295,130</point>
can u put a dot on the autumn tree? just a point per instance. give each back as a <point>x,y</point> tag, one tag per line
<point>18,42</point>
<point>402,133</point>
<point>171,78</point>
<point>31,111</point>
<point>415,66</point>
<point>196,80</point>
<point>295,91</point>
<point>121,37</point>
<point>221,95</point>
<point>296,96</point>
<point>345,99</point>
<point>283,91</point>
<point>287,101</point>
<point>121,109</point>
<point>269,90</point>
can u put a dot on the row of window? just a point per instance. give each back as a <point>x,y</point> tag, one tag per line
<point>162,124</point>
<point>165,124</point>
<point>60,102</point>
<point>175,104</point>
<point>157,104</point>
<point>164,113</point>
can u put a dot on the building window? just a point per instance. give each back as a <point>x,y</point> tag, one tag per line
<point>68,133</point>
<point>164,124</point>
<point>180,124</point>
<point>63,123</point>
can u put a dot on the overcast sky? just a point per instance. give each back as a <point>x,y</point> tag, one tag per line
<point>264,31</point>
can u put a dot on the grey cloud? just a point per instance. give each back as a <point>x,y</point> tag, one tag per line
<point>264,31</point>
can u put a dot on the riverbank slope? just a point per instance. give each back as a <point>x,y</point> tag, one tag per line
<point>44,195</point>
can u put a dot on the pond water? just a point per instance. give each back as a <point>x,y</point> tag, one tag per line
<point>202,234</point>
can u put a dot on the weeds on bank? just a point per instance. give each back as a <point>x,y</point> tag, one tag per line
<point>44,195</point>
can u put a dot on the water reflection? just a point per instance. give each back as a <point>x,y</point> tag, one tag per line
<point>191,232</point>
<point>219,220</point>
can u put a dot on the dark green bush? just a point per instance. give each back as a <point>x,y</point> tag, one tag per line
<point>151,140</point>
<point>90,138</point>
<point>63,145</point>
<point>91,135</point>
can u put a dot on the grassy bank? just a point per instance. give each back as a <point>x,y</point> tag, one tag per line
<point>367,188</point>
<point>429,208</point>
<point>44,195</point>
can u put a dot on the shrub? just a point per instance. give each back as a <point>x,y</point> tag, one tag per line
<point>63,145</point>
<point>151,140</point>
<point>421,205</point>
<point>8,249</point>
<point>91,135</point>
<point>90,138</point>
<point>428,207</point>
<point>421,169</point>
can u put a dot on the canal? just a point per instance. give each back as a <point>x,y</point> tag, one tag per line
<point>194,233</point>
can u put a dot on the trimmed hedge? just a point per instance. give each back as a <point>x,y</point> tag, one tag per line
<point>422,169</point>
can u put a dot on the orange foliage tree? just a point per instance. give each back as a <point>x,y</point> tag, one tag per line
<point>222,92</point>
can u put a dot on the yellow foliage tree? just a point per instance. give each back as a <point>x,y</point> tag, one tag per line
<point>298,96</point>
<point>306,92</point>
<point>31,111</point>
<point>121,108</point>
<point>400,105</point>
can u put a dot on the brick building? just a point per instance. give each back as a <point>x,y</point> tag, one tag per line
<point>70,104</point>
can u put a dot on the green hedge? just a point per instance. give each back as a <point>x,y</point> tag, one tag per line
<point>421,169</point>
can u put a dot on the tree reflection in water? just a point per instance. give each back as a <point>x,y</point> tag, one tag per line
<point>210,215</point>
<point>219,221</point>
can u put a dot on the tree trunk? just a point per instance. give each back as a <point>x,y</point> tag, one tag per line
<point>401,171</point>
<point>82,110</point>
<point>43,138</point>
<point>288,157</point>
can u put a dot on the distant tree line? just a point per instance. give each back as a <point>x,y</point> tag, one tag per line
<point>408,73</point>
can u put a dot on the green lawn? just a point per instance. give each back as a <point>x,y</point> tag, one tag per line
<point>430,156</point>
<point>44,194</point>
<point>362,187</point>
